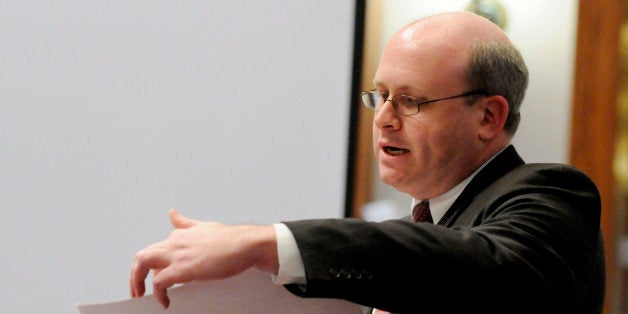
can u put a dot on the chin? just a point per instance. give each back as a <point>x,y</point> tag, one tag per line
<point>400,180</point>
<point>391,177</point>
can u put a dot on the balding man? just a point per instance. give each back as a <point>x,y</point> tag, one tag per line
<point>487,233</point>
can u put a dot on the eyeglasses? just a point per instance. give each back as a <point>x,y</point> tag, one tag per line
<point>404,104</point>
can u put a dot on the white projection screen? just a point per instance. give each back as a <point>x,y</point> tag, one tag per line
<point>113,112</point>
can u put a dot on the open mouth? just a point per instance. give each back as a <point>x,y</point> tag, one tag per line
<point>395,151</point>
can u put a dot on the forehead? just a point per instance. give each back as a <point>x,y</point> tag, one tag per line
<point>421,65</point>
<point>431,52</point>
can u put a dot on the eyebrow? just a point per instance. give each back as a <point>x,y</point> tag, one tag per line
<point>403,89</point>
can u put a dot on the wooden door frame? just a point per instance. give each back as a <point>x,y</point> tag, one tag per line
<point>592,145</point>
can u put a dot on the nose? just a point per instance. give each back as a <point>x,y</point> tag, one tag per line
<point>386,117</point>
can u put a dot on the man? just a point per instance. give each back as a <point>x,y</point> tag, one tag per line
<point>500,236</point>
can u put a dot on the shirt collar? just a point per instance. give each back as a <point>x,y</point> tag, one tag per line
<point>440,204</point>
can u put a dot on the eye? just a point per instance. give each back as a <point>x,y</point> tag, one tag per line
<point>383,95</point>
<point>413,101</point>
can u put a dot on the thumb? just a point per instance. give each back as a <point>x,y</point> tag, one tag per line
<point>179,221</point>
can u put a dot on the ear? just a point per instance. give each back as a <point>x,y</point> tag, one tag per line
<point>494,118</point>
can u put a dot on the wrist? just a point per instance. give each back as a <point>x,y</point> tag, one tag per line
<point>264,249</point>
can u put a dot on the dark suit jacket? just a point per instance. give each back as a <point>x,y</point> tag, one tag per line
<point>521,238</point>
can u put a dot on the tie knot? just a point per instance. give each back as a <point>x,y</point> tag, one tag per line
<point>421,212</point>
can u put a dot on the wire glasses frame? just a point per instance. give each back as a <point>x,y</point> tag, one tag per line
<point>404,104</point>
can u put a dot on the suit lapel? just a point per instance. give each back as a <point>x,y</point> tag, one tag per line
<point>503,163</point>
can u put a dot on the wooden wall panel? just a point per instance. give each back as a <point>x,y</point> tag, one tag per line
<point>593,119</point>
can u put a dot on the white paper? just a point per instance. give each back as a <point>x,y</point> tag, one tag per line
<point>249,292</point>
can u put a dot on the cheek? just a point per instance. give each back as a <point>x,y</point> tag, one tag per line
<point>375,136</point>
<point>458,133</point>
<point>443,132</point>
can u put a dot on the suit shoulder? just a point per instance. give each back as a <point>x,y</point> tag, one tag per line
<point>553,174</point>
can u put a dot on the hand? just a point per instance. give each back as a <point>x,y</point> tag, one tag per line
<point>198,250</point>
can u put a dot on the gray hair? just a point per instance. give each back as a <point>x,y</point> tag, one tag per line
<point>499,69</point>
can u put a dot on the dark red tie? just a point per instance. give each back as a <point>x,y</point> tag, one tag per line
<point>421,212</point>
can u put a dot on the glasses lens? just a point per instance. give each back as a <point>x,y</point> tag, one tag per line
<point>405,105</point>
<point>370,99</point>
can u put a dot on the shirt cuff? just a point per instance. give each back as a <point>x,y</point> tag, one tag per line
<point>291,269</point>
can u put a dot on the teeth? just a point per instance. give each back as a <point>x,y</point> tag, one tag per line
<point>395,151</point>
